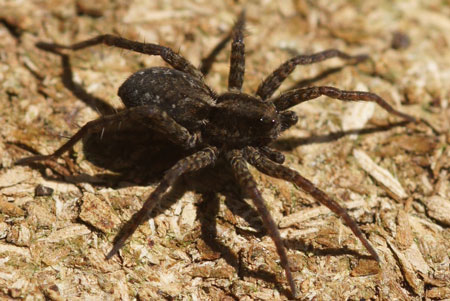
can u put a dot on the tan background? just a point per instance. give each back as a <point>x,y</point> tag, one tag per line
<point>54,246</point>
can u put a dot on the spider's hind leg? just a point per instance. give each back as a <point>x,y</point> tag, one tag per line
<point>149,115</point>
<point>171,57</point>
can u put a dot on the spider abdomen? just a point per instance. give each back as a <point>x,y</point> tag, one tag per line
<point>184,97</point>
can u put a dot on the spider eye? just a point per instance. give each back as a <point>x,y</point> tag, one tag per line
<point>266,120</point>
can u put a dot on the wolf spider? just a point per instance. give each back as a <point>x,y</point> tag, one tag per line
<point>236,126</point>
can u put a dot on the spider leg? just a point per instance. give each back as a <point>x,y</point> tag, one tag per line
<point>272,82</point>
<point>149,115</point>
<point>279,171</point>
<point>173,59</point>
<point>194,162</point>
<point>288,119</point>
<point>237,59</point>
<point>272,154</point>
<point>249,187</point>
<point>296,96</point>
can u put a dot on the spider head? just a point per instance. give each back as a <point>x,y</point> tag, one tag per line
<point>239,120</point>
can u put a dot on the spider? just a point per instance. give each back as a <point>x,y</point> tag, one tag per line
<point>235,126</point>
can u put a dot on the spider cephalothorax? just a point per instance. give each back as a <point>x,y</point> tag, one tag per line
<point>240,120</point>
<point>235,126</point>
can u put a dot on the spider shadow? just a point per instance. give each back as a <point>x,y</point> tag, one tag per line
<point>208,183</point>
<point>306,82</point>
<point>208,210</point>
<point>300,244</point>
<point>96,103</point>
<point>290,143</point>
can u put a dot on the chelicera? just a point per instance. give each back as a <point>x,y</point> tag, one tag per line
<point>235,126</point>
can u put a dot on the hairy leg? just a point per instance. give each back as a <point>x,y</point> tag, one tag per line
<point>279,171</point>
<point>288,119</point>
<point>249,187</point>
<point>296,96</point>
<point>274,80</point>
<point>272,154</point>
<point>207,62</point>
<point>151,116</point>
<point>237,60</point>
<point>175,60</point>
<point>194,162</point>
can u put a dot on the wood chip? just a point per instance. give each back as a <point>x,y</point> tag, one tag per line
<point>365,267</point>
<point>298,217</point>
<point>98,213</point>
<point>10,209</point>
<point>380,174</point>
<point>219,269</point>
<point>309,213</point>
<point>20,235</point>
<point>66,233</point>
<point>439,209</point>
<point>51,255</point>
<point>188,215</point>
<point>417,144</point>
<point>415,257</point>
<point>440,293</point>
<point>404,236</point>
<point>407,270</point>
<point>121,288</point>
<point>14,176</point>
<point>97,259</point>
<point>39,216</point>
<point>13,249</point>
<point>357,114</point>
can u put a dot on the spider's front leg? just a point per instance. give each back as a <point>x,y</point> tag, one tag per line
<point>150,115</point>
<point>194,162</point>
<point>274,80</point>
<point>249,187</point>
<point>294,97</point>
<point>275,170</point>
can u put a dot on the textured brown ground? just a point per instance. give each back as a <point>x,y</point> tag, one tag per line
<point>393,179</point>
